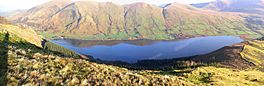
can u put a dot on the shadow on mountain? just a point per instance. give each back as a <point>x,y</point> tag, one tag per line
<point>4,60</point>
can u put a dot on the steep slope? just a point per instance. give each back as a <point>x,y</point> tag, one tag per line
<point>89,18</point>
<point>244,55</point>
<point>190,21</point>
<point>145,21</point>
<point>243,6</point>
<point>94,20</point>
<point>23,62</point>
<point>45,10</point>
<point>256,23</point>
<point>254,52</point>
<point>27,34</point>
<point>253,8</point>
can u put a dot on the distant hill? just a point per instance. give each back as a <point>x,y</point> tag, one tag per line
<point>3,20</point>
<point>96,20</point>
<point>11,13</point>
<point>243,6</point>
<point>253,8</point>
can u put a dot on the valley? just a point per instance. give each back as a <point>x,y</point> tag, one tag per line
<point>91,43</point>
<point>24,62</point>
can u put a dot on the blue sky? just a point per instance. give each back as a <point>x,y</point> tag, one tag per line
<point>8,5</point>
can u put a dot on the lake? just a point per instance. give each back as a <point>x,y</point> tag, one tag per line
<point>132,51</point>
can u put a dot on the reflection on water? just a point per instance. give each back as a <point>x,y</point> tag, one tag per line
<point>132,51</point>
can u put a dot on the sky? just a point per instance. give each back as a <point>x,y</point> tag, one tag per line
<point>9,5</point>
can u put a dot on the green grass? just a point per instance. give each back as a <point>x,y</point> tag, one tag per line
<point>254,52</point>
<point>225,77</point>
<point>47,35</point>
<point>28,64</point>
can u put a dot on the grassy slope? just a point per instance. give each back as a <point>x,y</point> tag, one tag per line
<point>27,34</point>
<point>28,64</point>
<point>188,20</point>
<point>225,77</point>
<point>254,52</point>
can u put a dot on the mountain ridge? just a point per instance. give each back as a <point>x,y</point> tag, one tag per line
<point>23,62</point>
<point>94,20</point>
<point>243,6</point>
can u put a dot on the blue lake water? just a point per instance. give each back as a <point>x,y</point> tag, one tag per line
<point>132,51</point>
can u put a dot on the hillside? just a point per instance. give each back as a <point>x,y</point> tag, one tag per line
<point>245,55</point>
<point>24,63</point>
<point>105,20</point>
<point>243,6</point>
<point>253,8</point>
<point>248,54</point>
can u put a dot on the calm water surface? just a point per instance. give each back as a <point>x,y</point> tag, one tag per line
<point>132,51</point>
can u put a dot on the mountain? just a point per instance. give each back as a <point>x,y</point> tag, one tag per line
<point>243,6</point>
<point>253,8</point>
<point>105,20</point>
<point>23,61</point>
